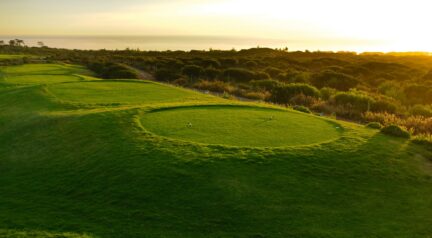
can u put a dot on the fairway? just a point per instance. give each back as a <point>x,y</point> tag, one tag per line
<point>123,92</point>
<point>240,126</point>
<point>44,69</point>
<point>6,57</point>
<point>41,79</point>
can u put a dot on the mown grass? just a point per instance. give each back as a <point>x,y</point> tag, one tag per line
<point>123,92</point>
<point>99,172</point>
<point>240,126</point>
<point>12,56</point>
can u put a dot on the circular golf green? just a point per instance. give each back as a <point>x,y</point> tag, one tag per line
<point>240,126</point>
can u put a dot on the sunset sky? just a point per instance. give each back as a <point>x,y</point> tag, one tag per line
<point>392,25</point>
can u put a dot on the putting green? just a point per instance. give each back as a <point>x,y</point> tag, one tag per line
<point>123,92</point>
<point>240,126</point>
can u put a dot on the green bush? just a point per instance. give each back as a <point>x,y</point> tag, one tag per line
<point>302,109</point>
<point>380,105</point>
<point>166,75</point>
<point>273,72</point>
<point>265,84</point>
<point>395,130</point>
<point>335,80</point>
<point>211,73</point>
<point>283,93</point>
<point>354,100</point>
<point>374,125</point>
<point>421,110</point>
<point>192,71</point>
<point>239,75</point>
<point>261,75</point>
<point>327,93</point>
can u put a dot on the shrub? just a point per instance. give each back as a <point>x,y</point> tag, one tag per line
<point>214,86</point>
<point>327,93</point>
<point>395,130</point>
<point>283,93</point>
<point>273,72</point>
<point>382,105</point>
<point>301,99</point>
<point>251,64</point>
<point>166,75</point>
<point>212,73</point>
<point>301,109</point>
<point>418,94</point>
<point>335,80</point>
<point>374,125</point>
<point>113,71</point>
<point>210,63</point>
<point>192,71</point>
<point>228,62</point>
<point>421,110</point>
<point>261,75</point>
<point>239,74</point>
<point>353,100</point>
<point>262,96</point>
<point>265,84</point>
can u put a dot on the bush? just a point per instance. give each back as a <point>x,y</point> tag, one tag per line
<point>212,73</point>
<point>273,72</point>
<point>113,71</point>
<point>239,75</point>
<point>265,84</point>
<point>251,64</point>
<point>261,75</point>
<point>192,71</point>
<point>381,105</point>
<point>301,109</point>
<point>166,75</point>
<point>418,94</point>
<point>214,86</point>
<point>421,110</point>
<point>395,130</point>
<point>335,80</point>
<point>374,125</point>
<point>353,100</point>
<point>284,93</point>
<point>327,93</point>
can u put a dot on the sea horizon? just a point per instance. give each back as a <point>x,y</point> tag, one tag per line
<point>191,42</point>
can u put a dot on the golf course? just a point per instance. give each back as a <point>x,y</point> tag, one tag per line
<point>84,157</point>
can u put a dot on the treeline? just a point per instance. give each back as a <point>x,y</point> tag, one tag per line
<point>363,87</point>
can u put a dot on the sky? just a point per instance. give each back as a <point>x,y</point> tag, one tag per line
<point>389,25</point>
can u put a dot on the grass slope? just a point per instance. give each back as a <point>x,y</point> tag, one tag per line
<point>97,171</point>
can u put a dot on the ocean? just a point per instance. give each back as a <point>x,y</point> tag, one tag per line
<point>159,43</point>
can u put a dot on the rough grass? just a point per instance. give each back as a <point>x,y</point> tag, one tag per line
<point>98,172</point>
<point>240,126</point>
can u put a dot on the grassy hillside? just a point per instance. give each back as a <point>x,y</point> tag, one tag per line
<point>92,158</point>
